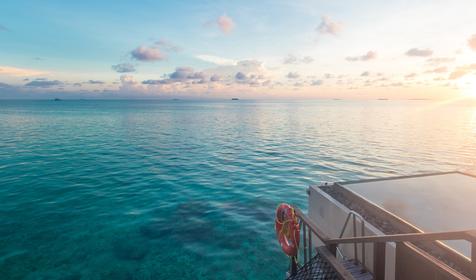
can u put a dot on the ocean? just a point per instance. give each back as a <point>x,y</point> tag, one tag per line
<point>177,189</point>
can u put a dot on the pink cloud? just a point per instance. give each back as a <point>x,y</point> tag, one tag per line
<point>143,53</point>
<point>462,71</point>
<point>411,76</point>
<point>472,42</point>
<point>441,69</point>
<point>419,52</point>
<point>328,26</point>
<point>226,24</point>
<point>368,56</point>
<point>20,72</point>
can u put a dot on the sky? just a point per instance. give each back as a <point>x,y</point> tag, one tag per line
<point>246,49</point>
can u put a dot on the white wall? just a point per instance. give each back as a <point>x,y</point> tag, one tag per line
<point>329,216</point>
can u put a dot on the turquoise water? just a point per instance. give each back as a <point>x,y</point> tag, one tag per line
<point>187,189</point>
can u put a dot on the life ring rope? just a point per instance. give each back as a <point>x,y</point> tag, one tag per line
<point>287,229</point>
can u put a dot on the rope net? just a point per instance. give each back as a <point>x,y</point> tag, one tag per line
<point>316,268</point>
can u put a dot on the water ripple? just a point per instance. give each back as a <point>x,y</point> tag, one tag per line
<point>187,190</point>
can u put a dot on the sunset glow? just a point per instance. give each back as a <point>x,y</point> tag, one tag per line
<point>255,50</point>
<point>467,86</point>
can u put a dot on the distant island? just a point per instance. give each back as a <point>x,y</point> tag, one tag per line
<point>56,99</point>
<point>235,98</point>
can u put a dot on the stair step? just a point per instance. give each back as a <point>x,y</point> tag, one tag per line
<point>357,270</point>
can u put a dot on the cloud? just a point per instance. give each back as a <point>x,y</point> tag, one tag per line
<point>152,82</point>
<point>216,59</point>
<point>180,75</point>
<point>292,75</point>
<point>5,86</point>
<point>246,66</point>
<point>307,59</point>
<point>368,56</point>
<point>245,77</point>
<point>292,59</point>
<point>183,73</point>
<point>249,79</point>
<point>441,69</point>
<point>20,72</point>
<point>419,52</point>
<point>3,28</point>
<point>215,78</point>
<point>226,24</point>
<point>472,42</point>
<point>397,84</point>
<point>123,68</point>
<point>253,73</point>
<point>328,26</point>
<point>316,82</point>
<point>240,76</point>
<point>144,53</point>
<point>43,83</point>
<point>365,74</point>
<point>129,84</point>
<point>462,71</point>
<point>246,73</point>
<point>439,60</point>
<point>410,76</point>
<point>157,51</point>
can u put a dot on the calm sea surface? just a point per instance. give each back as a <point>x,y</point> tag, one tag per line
<point>187,190</point>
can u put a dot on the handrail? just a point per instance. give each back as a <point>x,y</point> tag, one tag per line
<point>306,223</point>
<point>351,213</point>
<point>468,235</point>
<point>312,226</point>
<point>379,242</point>
<point>354,214</point>
<point>406,237</point>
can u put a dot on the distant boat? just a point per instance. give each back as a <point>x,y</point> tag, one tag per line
<point>234,98</point>
<point>57,99</point>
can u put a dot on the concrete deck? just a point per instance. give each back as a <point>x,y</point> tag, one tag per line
<point>436,202</point>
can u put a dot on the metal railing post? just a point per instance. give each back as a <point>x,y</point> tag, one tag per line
<point>473,259</point>
<point>304,241</point>
<point>379,260</point>
<point>362,233</point>
<point>345,225</point>
<point>294,265</point>
<point>379,246</point>
<point>354,227</point>
<point>310,244</point>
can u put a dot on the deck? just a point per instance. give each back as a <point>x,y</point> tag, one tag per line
<point>354,220</point>
<point>325,266</point>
